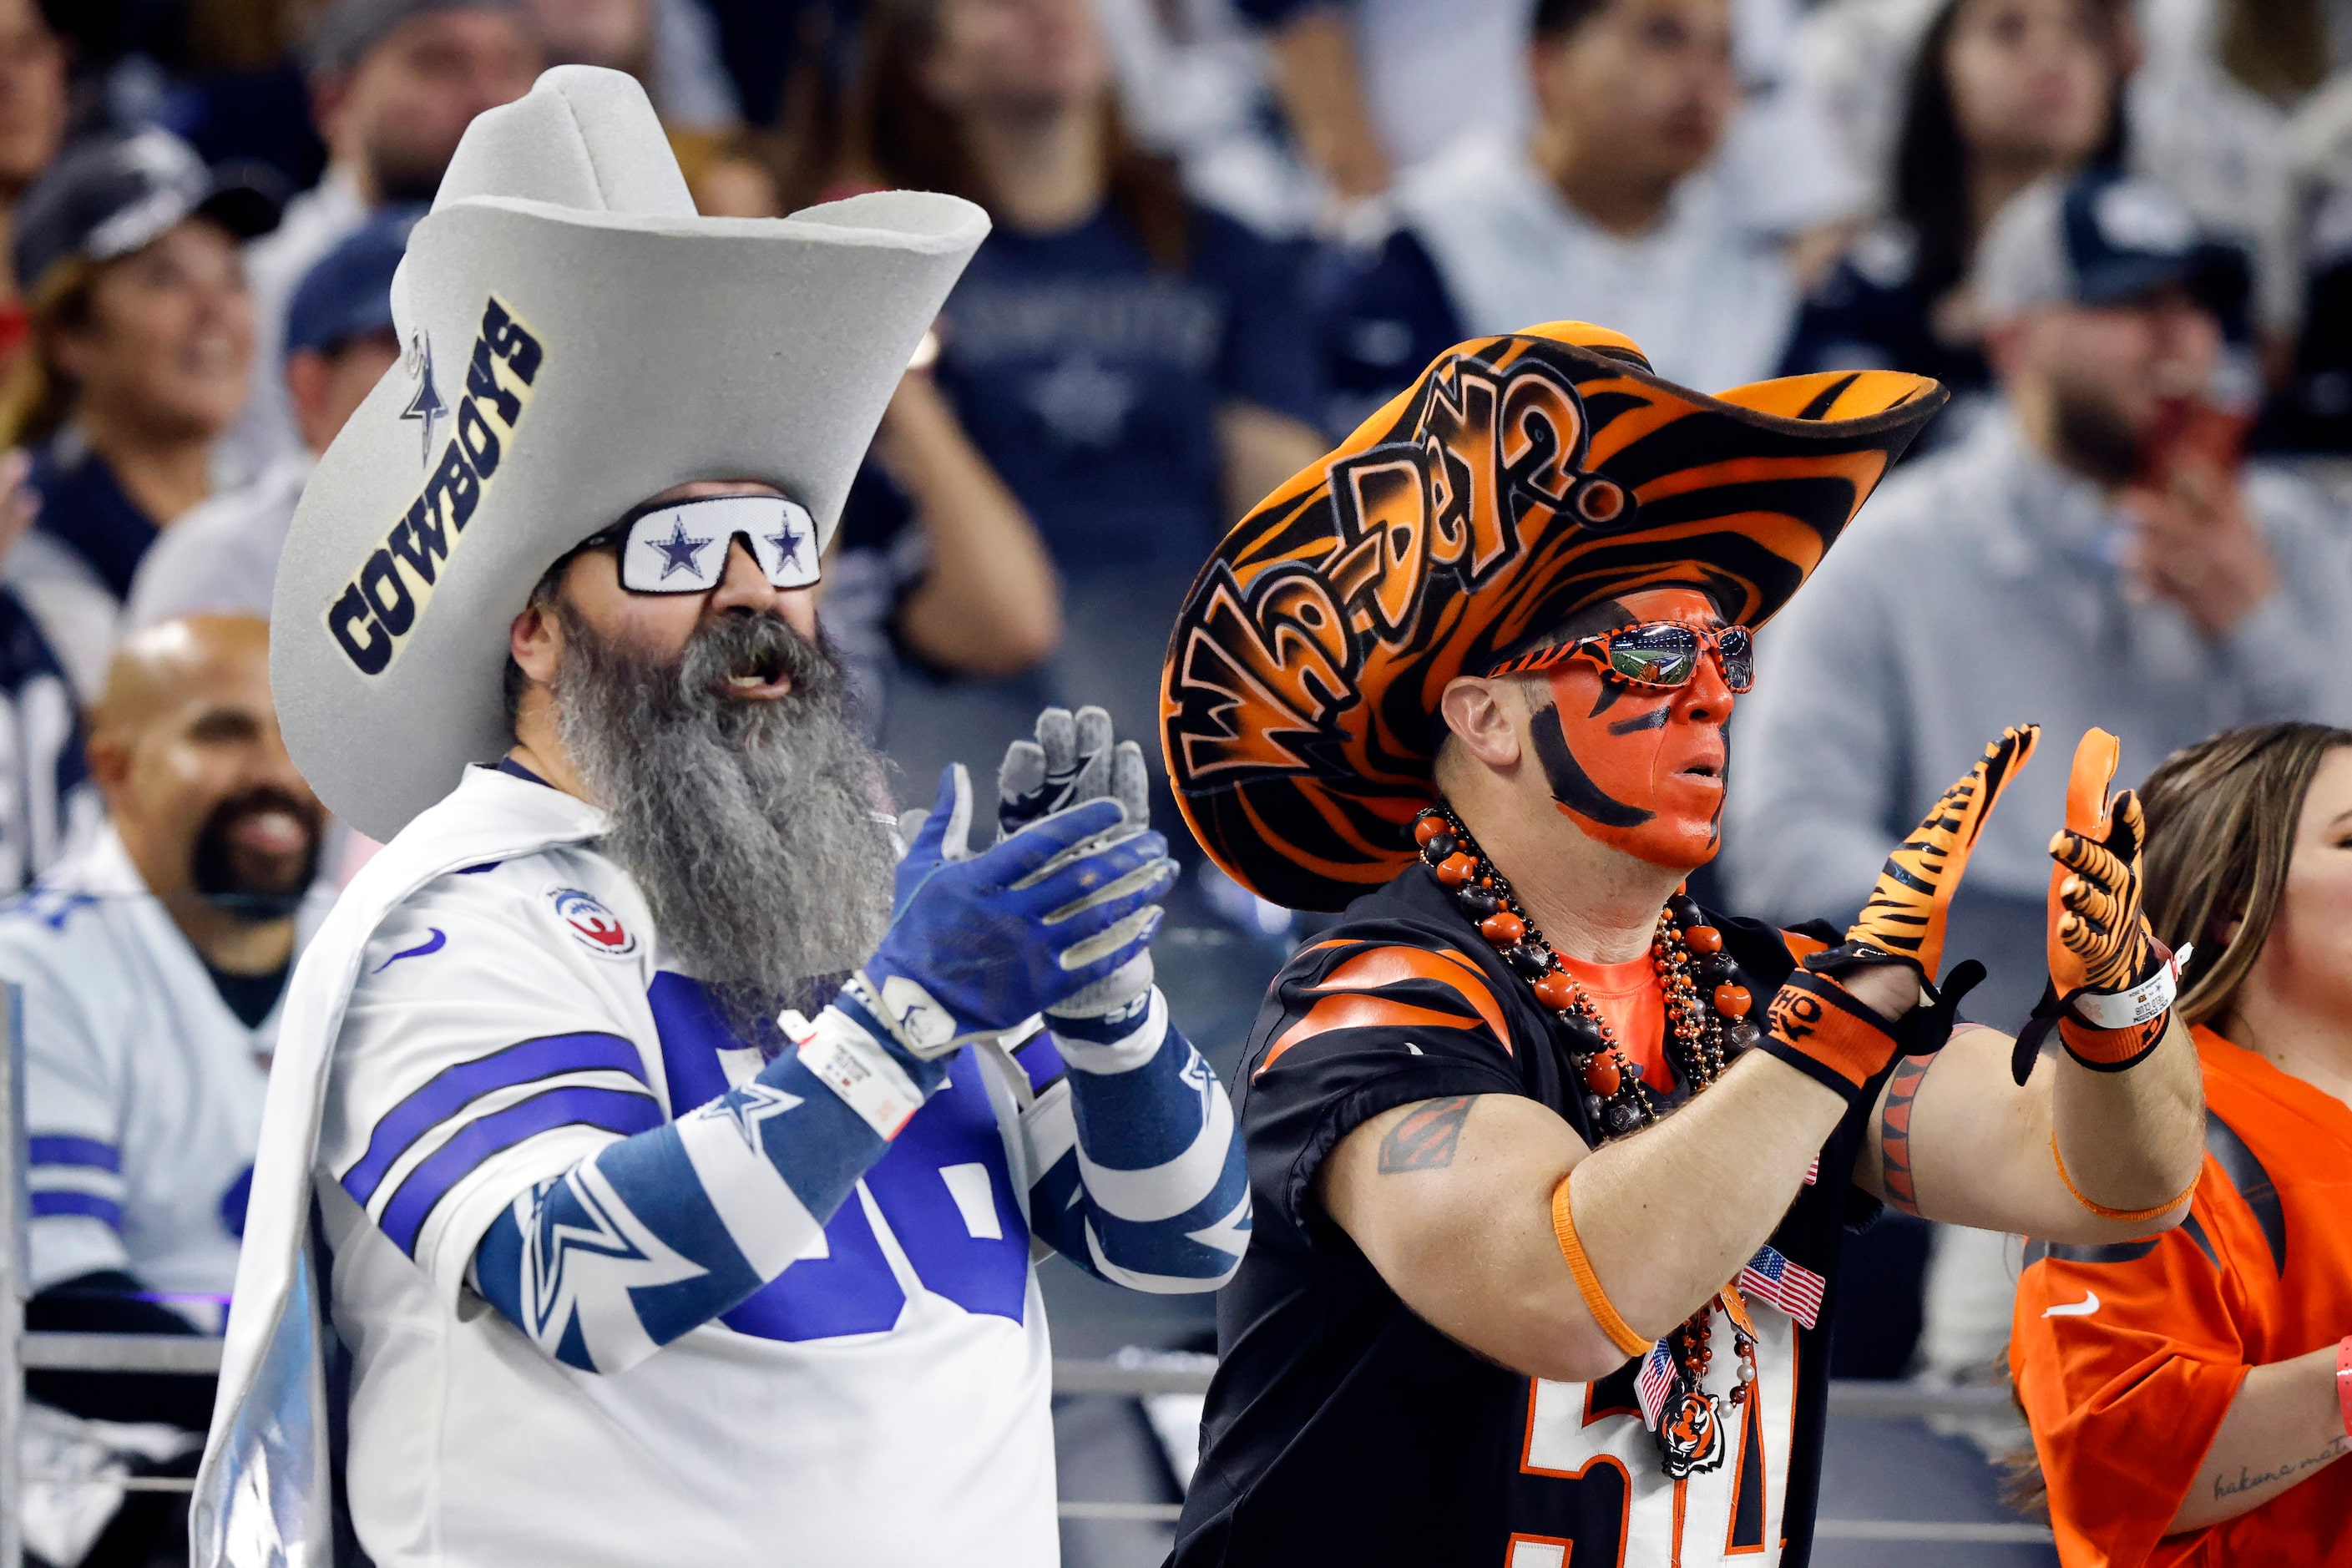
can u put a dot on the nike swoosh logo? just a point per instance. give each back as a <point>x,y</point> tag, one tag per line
<point>2082,1308</point>
<point>433,944</point>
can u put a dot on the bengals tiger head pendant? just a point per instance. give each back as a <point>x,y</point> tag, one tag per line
<point>1690,1434</point>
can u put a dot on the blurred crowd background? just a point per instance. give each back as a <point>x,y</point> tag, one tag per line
<point>2120,231</point>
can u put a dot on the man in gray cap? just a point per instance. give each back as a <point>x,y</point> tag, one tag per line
<point>393,84</point>
<point>2092,552</point>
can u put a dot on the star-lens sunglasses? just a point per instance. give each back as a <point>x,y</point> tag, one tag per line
<point>1658,654</point>
<point>682,547</point>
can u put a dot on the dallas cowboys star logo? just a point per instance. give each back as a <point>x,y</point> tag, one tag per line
<point>426,405</point>
<point>680,550</point>
<point>751,1104</point>
<point>787,542</point>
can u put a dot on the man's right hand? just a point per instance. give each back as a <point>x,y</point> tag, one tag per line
<point>983,941</point>
<point>2195,546</point>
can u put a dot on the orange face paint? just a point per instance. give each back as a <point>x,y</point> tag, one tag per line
<point>1636,768</point>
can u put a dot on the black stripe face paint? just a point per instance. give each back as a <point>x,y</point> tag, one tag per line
<point>1638,768</point>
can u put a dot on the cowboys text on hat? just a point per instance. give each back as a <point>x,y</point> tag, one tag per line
<point>371,619</point>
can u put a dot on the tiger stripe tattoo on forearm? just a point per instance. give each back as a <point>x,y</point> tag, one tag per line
<point>1895,1132</point>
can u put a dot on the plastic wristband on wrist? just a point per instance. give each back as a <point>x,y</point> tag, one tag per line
<point>855,1066</point>
<point>2344,1382</point>
<point>2129,1216</point>
<point>2149,1000</point>
<point>2108,1031</point>
<point>1824,1031</point>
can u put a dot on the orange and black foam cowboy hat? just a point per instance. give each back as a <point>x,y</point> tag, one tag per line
<point>1519,479</point>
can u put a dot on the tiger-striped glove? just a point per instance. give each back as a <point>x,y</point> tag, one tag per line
<point>2111,982</point>
<point>1902,923</point>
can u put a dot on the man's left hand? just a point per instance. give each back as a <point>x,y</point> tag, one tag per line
<point>2195,546</point>
<point>1076,759</point>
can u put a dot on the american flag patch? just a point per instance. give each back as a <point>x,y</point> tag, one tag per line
<point>1813,1170</point>
<point>1792,1287</point>
<point>1657,1379</point>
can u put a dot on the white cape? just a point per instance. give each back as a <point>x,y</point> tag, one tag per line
<point>264,1497</point>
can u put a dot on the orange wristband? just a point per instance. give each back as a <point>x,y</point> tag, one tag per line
<point>1822,1029</point>
<point>1596,1301</point>
<point>2112,1050</point>
<point>2102,1210</point>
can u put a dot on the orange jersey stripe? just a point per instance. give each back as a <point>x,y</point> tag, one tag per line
<point>1379,966</point>
<point>1352,1010</point>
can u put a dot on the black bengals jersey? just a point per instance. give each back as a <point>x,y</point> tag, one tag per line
<point>1341,1428</point>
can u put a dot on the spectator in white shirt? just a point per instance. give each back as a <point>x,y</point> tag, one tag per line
<point>1374,89</point>
<point>1599,215</point>
<point>148,966</point>
<point>393,84</point>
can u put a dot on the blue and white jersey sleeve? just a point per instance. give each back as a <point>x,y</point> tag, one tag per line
<point>1142,1178</point>
<point>74,1096</point>
<point>491,1042</point>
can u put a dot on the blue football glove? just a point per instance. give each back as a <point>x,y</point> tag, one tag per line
<point>981,942</point>
<point>926,839</point>
<point>1074,761</point>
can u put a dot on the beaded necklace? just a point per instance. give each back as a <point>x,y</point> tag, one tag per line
<point>1703,1033</point>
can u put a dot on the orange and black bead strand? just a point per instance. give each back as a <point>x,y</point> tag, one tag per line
<point>1702,1033</point>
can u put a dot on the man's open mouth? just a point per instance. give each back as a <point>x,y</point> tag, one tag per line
<point>763,673</point>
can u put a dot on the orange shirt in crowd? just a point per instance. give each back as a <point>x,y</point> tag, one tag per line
<point>2127,1356</point>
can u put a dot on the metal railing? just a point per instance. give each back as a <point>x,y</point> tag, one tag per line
<point>21,1352</point>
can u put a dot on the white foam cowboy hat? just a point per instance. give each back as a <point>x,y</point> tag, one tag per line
<point>579,341</point>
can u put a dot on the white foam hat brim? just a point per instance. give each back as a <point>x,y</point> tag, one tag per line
<point>582,361</point>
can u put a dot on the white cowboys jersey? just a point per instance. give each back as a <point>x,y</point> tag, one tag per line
<point>885,1401</point>
<point>143,1091</point>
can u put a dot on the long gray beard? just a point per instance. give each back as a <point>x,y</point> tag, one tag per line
<point>749,826</point>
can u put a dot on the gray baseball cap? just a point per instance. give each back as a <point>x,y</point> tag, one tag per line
<point>111,194</point>
<point>342,37</point>
<point>2100,237</point>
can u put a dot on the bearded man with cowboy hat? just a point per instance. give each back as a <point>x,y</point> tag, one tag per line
<point>569,1242</point>
<point>1549,1163</point>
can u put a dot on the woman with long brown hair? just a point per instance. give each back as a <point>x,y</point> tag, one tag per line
<point>2190,1395</point>
<point>1999,92</point>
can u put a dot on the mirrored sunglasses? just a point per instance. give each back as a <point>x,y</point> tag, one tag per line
<point>683,548</point>
<point>1660,654</point>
